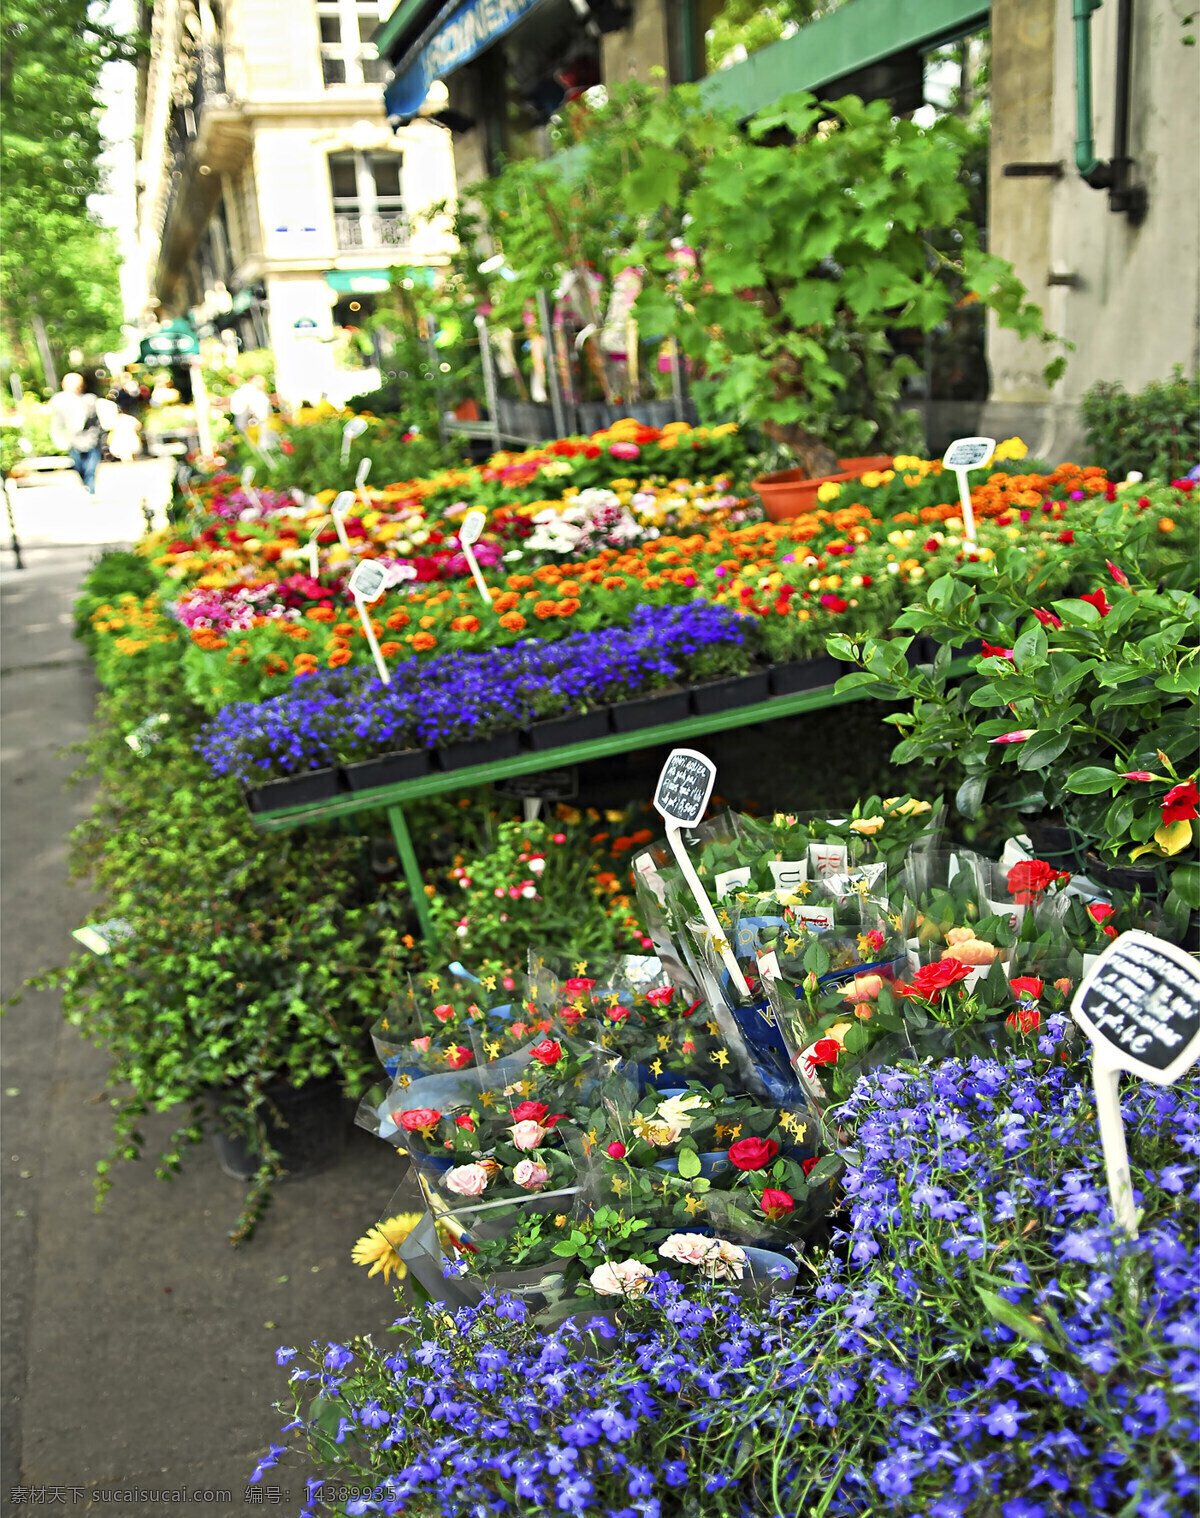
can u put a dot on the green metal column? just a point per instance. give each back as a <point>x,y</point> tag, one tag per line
<point>412,870</point>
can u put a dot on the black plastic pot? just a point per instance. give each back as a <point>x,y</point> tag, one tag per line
<point>733,691</point>
<point>1123,877</point>
<point>660,706</point>
<point>306,1124</point>
<point>387,769</point>
<point>479,751</point>
<point>1052,840</point>
<point>575,727</point>
<point>294,790</point>
<point>806,674</point>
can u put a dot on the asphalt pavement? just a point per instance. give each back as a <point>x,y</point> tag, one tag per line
<point>136,1345</point>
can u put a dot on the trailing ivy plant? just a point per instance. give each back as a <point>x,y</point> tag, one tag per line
<point>242,959</point>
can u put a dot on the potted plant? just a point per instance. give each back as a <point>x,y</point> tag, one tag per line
<point>1083,704</point>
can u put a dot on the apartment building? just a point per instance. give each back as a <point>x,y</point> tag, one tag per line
<point>273,195</point>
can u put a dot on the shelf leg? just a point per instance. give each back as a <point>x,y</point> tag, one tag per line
<point>412,870</point>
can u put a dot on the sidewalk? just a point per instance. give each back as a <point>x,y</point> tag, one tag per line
<point>137,1345</point>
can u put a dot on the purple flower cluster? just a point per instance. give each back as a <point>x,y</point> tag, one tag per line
<point>984,1341</point>
<point>236,505</point>
<point>336,717</point>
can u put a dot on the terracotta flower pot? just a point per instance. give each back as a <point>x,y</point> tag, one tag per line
<point>790,492</point>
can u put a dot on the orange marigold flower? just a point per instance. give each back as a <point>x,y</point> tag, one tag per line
<point>389,648</point>
<point>398,619</point>
<point>465,624</point>
<point>423,641</point>
<point>568,607</point>
<point>339,657</point>
<point>643,835</point>
<point>302,663</point>
<point>569,588</point>
<point>344,630</point>
<point>544,609</point>
<point>612,582</point>
<point>320,613</point>
<point>513,621</point>
<point>505,602</point>
<point>428,622</point>
<point>519,582</point>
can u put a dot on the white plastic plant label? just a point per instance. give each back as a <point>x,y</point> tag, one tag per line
<point>827,858</point>
<point>354,428</point>
<point>727,880</point>
<point>963,455</point>
<point>816,919</point>
<point>368,580</point>
<point>788,873</point>
<point>468,535</point>
<point>341,505</point>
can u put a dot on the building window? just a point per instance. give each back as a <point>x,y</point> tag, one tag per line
<point>368,207</point>
<point>348,56</point>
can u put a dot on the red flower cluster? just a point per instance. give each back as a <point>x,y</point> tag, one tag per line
<point>1027,880</point>
<point>1180,802</point>
<point>753,1153</point>
<point>932,980</point>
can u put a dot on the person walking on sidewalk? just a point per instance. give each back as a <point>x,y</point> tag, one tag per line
<point>75,428</point>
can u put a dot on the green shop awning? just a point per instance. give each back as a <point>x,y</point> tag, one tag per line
<point>170,344</point>
<point>359,281</point>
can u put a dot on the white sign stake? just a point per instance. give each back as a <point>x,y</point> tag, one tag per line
<point>468,534</point>
<point>366,585</point>
<point>248,486</point>
<point>312,548</point>
<point>962,456</point>
<point>341,505</point>
<point>680,798</point>
<point>1140,1006</point>
<point>355,427</point>
<point>360,480</point>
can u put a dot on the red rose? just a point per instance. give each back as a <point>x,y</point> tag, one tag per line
<point>548,1052</point>
<point>457,1057</point>
<point>1026,985</point>
<point>752,1153</point>
<point>931,980</point>
<point>465,1121</point>
<point>616,1149</point>
<point>810,1164</point>
<point>1100,911</point>
<point>443,1013</point>
<point>555,1117</point>
<point>1026,881</point>
<point>824,1052</point>
<point>660,996</point>
<point>578,986</point>
<point>616,1014</point>
<point>418,1118</point>
<point>529,1112</point>
<point>570,1016</point>
<point>1179,804</point>
<point>1023,1020</point>
<point>777,1204</point>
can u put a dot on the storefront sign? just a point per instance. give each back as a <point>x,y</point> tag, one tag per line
<point>472,28</point>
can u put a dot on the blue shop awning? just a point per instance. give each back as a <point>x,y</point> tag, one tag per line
<point>458,33</point>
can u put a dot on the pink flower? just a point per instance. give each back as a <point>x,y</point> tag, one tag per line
<point>421,1043</point>
<point>687,1248</point>
<point>624,450</point>
<point>864,988</point>
<point>1047,618</point>
<point>1118,575</point>
<point>1137,775</point>
<point>530,1175</point>
<point>527,1135</point>
<point>624,1278</point>
<point>1020,735</point>
<point>466,1180</point>
<point>443,1013</point>
<point>616,1149</point>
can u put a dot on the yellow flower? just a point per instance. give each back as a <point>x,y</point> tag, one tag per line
<point>910,808</point>
<point>1010,448</point>
<point>866,825</point>
<point>1170,837</point>
<point>828,491</point>
<point>378,1245</point>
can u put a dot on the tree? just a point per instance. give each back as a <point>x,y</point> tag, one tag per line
<point>58,265</point>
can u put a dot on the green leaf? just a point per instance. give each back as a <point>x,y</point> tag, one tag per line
<point>969,796</point>
<point>1042,749</point>
<point>689,1164</point>
<point>1029,651</point>
<point>1012,1317</point>
<point>1082,613</point>
<point>1092,780</point>
<point>825,1169</point>
<point>1185,882</point>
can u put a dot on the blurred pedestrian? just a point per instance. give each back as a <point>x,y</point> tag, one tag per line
<point>75,428</point>
<point>250,404</point>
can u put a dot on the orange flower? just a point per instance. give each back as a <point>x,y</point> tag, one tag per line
<point>544,609</point>
<point>505,602</point>
<point>513,621</point>
<point>519,582</point>
<point>304,663</point>
<point>339,657</point>
<point>320,613</point>
<point>465,624</point>
<point>612,582</point>
<point>568,608</point>
<point>389,648</point>
<point>643,835</point>
<point>275,665</point>
<point>344,630</point>
<point>398,619</point>
<point>422,641</point>
<point>428,622</point>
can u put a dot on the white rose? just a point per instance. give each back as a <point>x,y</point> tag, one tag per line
<point>729,1263</point>
<point>679,1111</point>
<point>687,1248</point>
<point>625,1278</point>
<point>466,1180</point>
<point>527,1134</point>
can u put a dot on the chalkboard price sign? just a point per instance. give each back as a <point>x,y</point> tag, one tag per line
<point>684,787</point>
<point>367,580</point>
<point>969,453</point>
<point>1140,1006</point>
<point>1141,1002</point>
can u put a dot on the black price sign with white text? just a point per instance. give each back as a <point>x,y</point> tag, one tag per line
<point>1140,1002</point>
<point>684,787</point>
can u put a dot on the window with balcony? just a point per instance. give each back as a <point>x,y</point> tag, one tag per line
<point>368,207</point>
<point>348,56</point>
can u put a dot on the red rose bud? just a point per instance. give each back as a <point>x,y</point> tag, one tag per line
<point>548,1052</point>
<point>1100,911</point>
<point>1026,985</point>
<point>457,1057</point>
<point>660,996</point>
<point>753,1153</point>
<point>465,1121</point>
<point>418,1118</point>
<point>529,1112</point>
<point>616,1149</point>
<point>443,1013</point>
<point>810,1164</point>
<point>776,1204</point>
<point>1023,1020</point>
<point>825,1052</point>
<point>570,1015</point>
<point>578,986</point>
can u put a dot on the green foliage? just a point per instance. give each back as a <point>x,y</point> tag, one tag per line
<point>818,233</point>
<point>1155,432</point>
<point>117,572</point>
<point>427,328</point>
<point>58,265</point>
<point>312,459</point>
